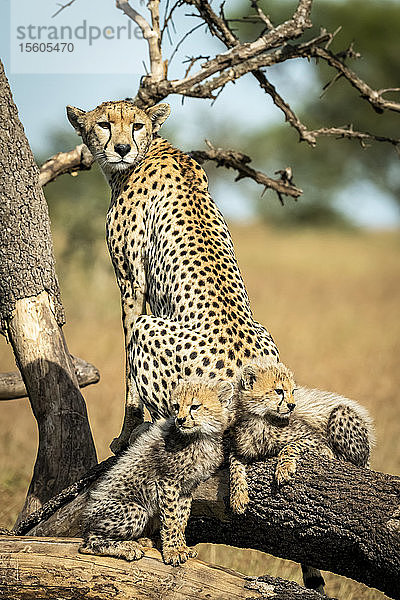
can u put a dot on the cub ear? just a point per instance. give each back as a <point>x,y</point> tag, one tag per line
<point>76,118</point>
<point>158,114</point>
<point>225,393</point>
<point>249,375</point>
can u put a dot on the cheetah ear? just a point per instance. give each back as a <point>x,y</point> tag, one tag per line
<point>75,117</point>
<point>225,393</point>
<point>158,114</point>
<point>248,377</point>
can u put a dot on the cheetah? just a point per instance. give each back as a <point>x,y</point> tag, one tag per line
<point>172,252</point>
<point>158,474</point>
<point>274,418</point>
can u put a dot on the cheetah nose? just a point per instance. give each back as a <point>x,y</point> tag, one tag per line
<point>122,149</point>
<point>291,406</point>
<point>180,420</point>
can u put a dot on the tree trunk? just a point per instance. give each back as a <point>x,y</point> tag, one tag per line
<point>31,315</point>
<point>36,568</point>
<point>333,516</point>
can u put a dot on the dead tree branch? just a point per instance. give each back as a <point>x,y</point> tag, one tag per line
<point>78,159</point>
<point>240,162</point>
<point>12,385</point>
<point>373,97</point>
<point>151,34</point>
<point>219,27</point>
<point>34,568</point>
<point>333,515</point>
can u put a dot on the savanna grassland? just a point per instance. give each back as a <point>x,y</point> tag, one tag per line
<point>331,300</point>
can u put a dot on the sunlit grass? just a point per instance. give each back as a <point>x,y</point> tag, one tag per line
<point>330,299</point>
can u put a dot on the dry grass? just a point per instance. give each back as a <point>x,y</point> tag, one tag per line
<point>331,300</point>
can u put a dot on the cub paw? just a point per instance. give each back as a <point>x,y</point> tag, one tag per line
<point>130,551</point>
<point>146,542</point>
<point>239,501</point>
<point>284,471</point>
<point>178,556</point>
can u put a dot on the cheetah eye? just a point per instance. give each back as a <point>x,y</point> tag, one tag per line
<point>195,406</point>
<point>279,391</point>
<point>137,126</point>
<point>175,407</point>
<point>104,125</point>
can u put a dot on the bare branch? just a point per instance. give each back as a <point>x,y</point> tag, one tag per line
<point>261,15</point>
<point>240,162</point>
<point>374,97</point>
<point>62,6</point>
<point>179,44</point>
<point>290,116</point>
<point>217,25</point>
<point>190,86</point>
<point>78,159</point>
<point>348,132</point>
<point>151,35</point>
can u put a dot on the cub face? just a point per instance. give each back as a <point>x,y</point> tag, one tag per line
<point>118,134</point>
<point>267,390</point>
<point>202,406</point>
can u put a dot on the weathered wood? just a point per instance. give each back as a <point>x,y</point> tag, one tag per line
<point>12,385</point>
<point>78,159</point>
<point>36,568</point>
<point>333,515</point>
<point>31,314</point>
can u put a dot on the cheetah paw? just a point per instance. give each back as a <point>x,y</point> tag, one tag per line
<point>178,556</point>
<point>284,472</point>
<point>239,502</point>
<point>130,550</point>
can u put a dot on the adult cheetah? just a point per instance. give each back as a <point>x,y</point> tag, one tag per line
<point>171,249</point>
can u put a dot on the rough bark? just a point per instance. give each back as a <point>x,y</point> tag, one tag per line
<point>45,568</point>
<point>12,385</point>
<point>31,314</point>
<point>27,261</point>
<point>333,516</point>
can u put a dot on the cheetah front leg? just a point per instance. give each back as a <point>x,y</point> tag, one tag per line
<point>238,488</point>
<point>133,305</point>
<point>174,514</point>
<point>291,452</point>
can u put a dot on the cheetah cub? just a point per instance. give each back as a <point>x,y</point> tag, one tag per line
<point>268,423</point>
<point>264,427</point>
<point>158,474</point>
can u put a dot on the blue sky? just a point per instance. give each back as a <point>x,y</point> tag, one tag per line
<point>111,69</point>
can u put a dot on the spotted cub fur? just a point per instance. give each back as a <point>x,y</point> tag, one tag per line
<point>157,475</point>
<point>274,418</point>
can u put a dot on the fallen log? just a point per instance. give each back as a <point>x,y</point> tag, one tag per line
<point>12,385</point>
<point>333,516</point>
<point>51,568</point>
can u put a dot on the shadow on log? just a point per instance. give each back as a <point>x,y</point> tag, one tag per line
<point>333,516</point>
<point>34,568</point>
<point>12,385</point>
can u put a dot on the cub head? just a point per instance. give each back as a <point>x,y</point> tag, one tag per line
<point>266,389</point>
<point>202,406</point>
<point>118,134</point>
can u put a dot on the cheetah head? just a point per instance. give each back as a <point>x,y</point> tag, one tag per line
<point>202,406</point>
<point>266,389</point>
<point>118,134</point>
